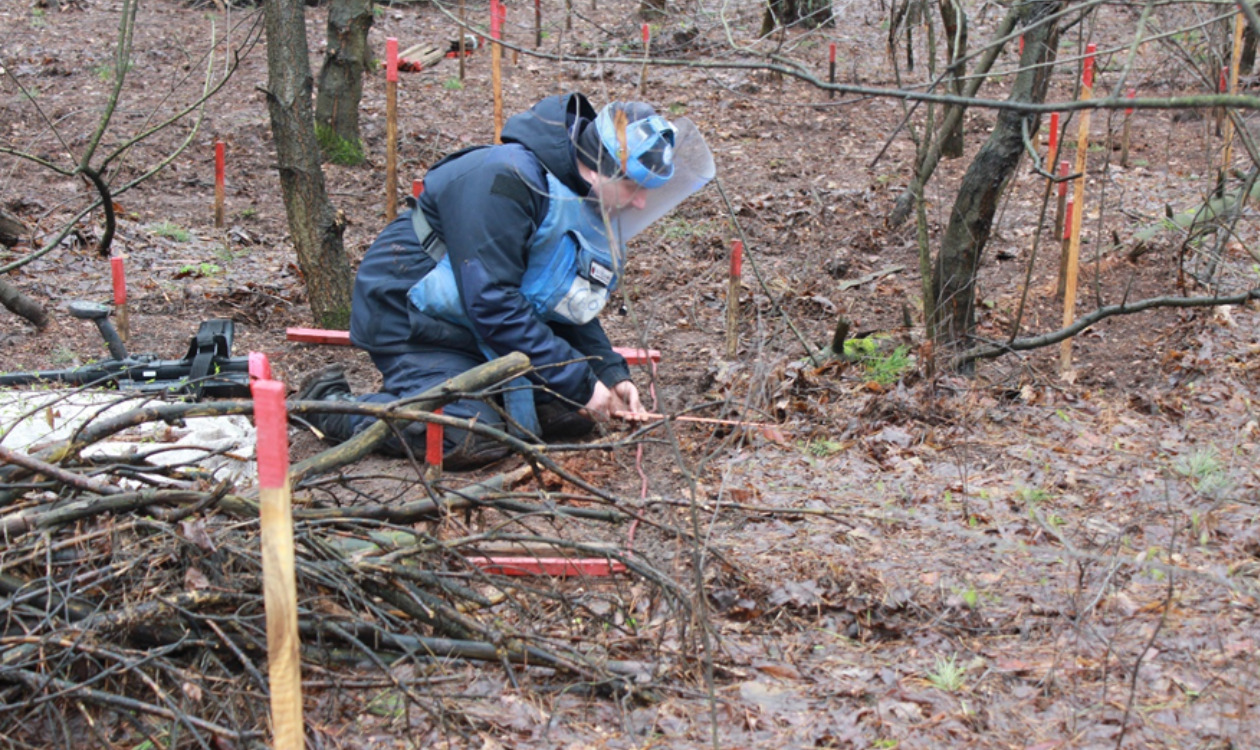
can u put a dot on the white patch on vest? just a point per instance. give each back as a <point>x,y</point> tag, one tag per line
<point>601,273</point>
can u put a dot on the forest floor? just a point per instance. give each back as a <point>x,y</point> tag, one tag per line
<point>906,558</point>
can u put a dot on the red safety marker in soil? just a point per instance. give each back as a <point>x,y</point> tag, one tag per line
<point>433,444</point>
<point>259,367</point>
<point>119,277</point>
<point>417,187</point>
<point>332,337</point>
<point>391,128</point>
<point>647,53</point>
<point>1059,214</point>
<point>279,577</point>
<point>1124,134</point>
<point>497,14</point>
<point>831,77</point>
<point>1075,217</point>
<point>220,167</point>
<point>549,566</point>
<point>732,299</point>
<point>1052,150</point>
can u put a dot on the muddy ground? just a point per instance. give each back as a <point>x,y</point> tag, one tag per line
<point>1015,560</point>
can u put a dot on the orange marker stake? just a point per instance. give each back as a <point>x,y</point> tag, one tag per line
<point>1124,134</point>
<point>1074,221</point>
<point>118,276</point>
<point>1059,209</point>
<point>1064,249</point>
<point>496,65</point>
<point>732,299</point>
<point>391,128</point>
<point>647,53</point>
<point>279,578</point>
<point>219,170</point>
<point>831,63</point>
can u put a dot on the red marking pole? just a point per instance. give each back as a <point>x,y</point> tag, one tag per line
<point>279,578</point>
<point>259,367</point>
<point>831,64</point>
<point>220,168</point>
<point>1059,209</point>
<point>433,445</point>
<point>548,566</point>
<point>1124,134</point>
<point>119,277</point>
<point>537,24</point>
<point>1075,216</point>
<point>391,128</point>
<point>647,53</point>
<point>1021,45</point>
<point>496,63</point>
<point>732,299</point>
<point>1052,152</point>
<point>1065,244</point>
<point>417,187</point>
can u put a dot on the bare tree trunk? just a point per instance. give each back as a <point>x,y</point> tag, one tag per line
<point>313,223</point>
<point>954,19</point>
<point>972,215</point>
<point>341,80</point>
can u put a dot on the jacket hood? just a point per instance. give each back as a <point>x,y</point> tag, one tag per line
<point>549,130</point>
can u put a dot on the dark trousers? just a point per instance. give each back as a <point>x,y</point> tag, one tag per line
<point>413,373</point>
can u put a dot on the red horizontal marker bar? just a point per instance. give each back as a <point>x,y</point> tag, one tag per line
<point>548,566</point>
<point>342,338</point>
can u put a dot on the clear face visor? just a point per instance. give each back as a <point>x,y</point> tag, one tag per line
<point>691,168</point>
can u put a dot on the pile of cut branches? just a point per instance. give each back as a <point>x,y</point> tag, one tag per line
<point>133,603</point>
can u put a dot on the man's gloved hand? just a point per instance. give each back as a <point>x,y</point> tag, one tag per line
<point>605,402</point>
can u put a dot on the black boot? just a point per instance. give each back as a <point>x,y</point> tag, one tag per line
<point>328,384</point>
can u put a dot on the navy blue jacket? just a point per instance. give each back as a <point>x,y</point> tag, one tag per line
<point>486,204</point>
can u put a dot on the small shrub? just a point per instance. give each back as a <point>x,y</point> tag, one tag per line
<point>336,149</point>
<point>453,84</point>
<point>171,231</point>
<point>947,675</point>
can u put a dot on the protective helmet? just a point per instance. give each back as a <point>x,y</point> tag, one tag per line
<point>645,153</point>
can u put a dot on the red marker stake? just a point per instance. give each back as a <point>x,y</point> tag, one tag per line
<point>433,445</point>
<point>219,170</point>
<point>1124,134</point>
<point>391,128</point>
<point>496,63</point>
<point>417,187</point>
<point>279,577</point>
<point>647,53</point>
<point>1059,214</point>
<point>831,77</point>
<point>259,367</point>
<point>1052,152</point>
<point>118,275</point>
<point>732,299</point>
<point>1073,217</point>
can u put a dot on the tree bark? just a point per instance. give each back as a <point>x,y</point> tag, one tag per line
<point>315,226</point>
<point>954,20</point>
<point>341,77</point>
<point>953,281</point>
<point>12,229</point>
<point>811,14</point>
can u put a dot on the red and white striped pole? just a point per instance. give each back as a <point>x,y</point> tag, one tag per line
<point>119,277</point>
<point>732,299</point>
<point>284,666</point>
